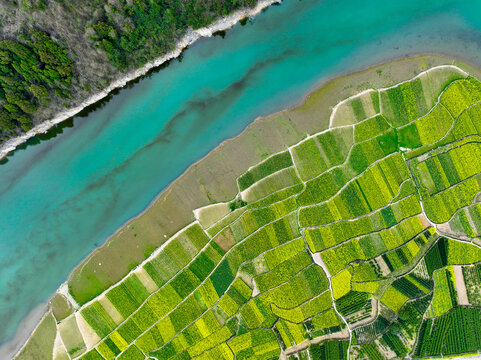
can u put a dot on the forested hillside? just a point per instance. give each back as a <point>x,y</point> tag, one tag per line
<point>55,53</point>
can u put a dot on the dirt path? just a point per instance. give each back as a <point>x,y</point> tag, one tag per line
<point>341,335</point>
<point>318,260</point>
<point>371,318</point>
<point>460,285</point>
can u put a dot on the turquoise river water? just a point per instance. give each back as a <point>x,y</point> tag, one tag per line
<point>61,198</point>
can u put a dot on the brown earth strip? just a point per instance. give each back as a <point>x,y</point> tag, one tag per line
<point>460,286</point>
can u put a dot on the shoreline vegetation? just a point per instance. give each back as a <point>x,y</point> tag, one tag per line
<point>188,39</point>
<point>173,209</point>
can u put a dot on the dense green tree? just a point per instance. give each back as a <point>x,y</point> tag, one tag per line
<point>6,121</point>
<point>11,108</point>
<point>31,69</point>
<point>133,32</point>
<point>38,91</point>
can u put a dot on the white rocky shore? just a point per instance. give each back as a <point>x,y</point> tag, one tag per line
<point>191,36</point>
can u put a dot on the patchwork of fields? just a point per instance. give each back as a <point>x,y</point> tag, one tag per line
<point>362,241</point>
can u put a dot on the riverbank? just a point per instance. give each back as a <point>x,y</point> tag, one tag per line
<point>191,36</point>
<point>26,328</point>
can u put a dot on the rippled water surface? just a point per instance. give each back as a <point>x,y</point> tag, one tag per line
<point>61,198</point>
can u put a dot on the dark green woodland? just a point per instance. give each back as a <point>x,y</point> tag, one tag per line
<point>54,53</point>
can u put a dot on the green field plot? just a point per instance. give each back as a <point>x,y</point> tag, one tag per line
<point>92,355</point>
<point>364,154</point>
<point>330,350</point>
<point>404,103</point>
<point>462,253</point>
<point>283,272</point>
<point>335,145</point>
<point>280,254</point>
<point>467,123</point>
<point>361,157</point>
<point>326,319</point>
<point>176,254</point>
<point>450,168</point>
<point>466,221</point>
<point>399,237</point>
<point>360,239</point>
<point>253,219</point>
<point>426,130</point>
<point>266,168</point>
<point>436,80</point>
<point>306,310</point>
<point>290,334</point>
<point>370,128</point>
<point>352,302</point>
<point>98,319</point>
<point>372,190</point>
<point>404,243</point>
<point>71,336</point>
<point>206,327</point>
<point>256,344</point>
<point>317,154</point>
<point>461,94</point>
<point>449,181</point>
<point>442,206</point>
<point>341,283</point>
<point>370,351</point>
<point>211,342</point>
<point>323,187</point>
<point>450,252</point>
<point>282,179</point>
<point>413,99</point>
<point>444,292</point>
<point>277,196</point>
<point>323,237</point>
<point>300,288</point>
<point>366,286</point>
<point>338,258</point>
<point>112,346</point>
<point>132,353</point>
<point>309,159</point>
<point>457,332</point>
<point>413,286</point>
<point>394,299</point>
<point>235,297</point>
<point>356,109</point>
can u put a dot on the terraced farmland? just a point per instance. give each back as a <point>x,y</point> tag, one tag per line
<point>361,241</point>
